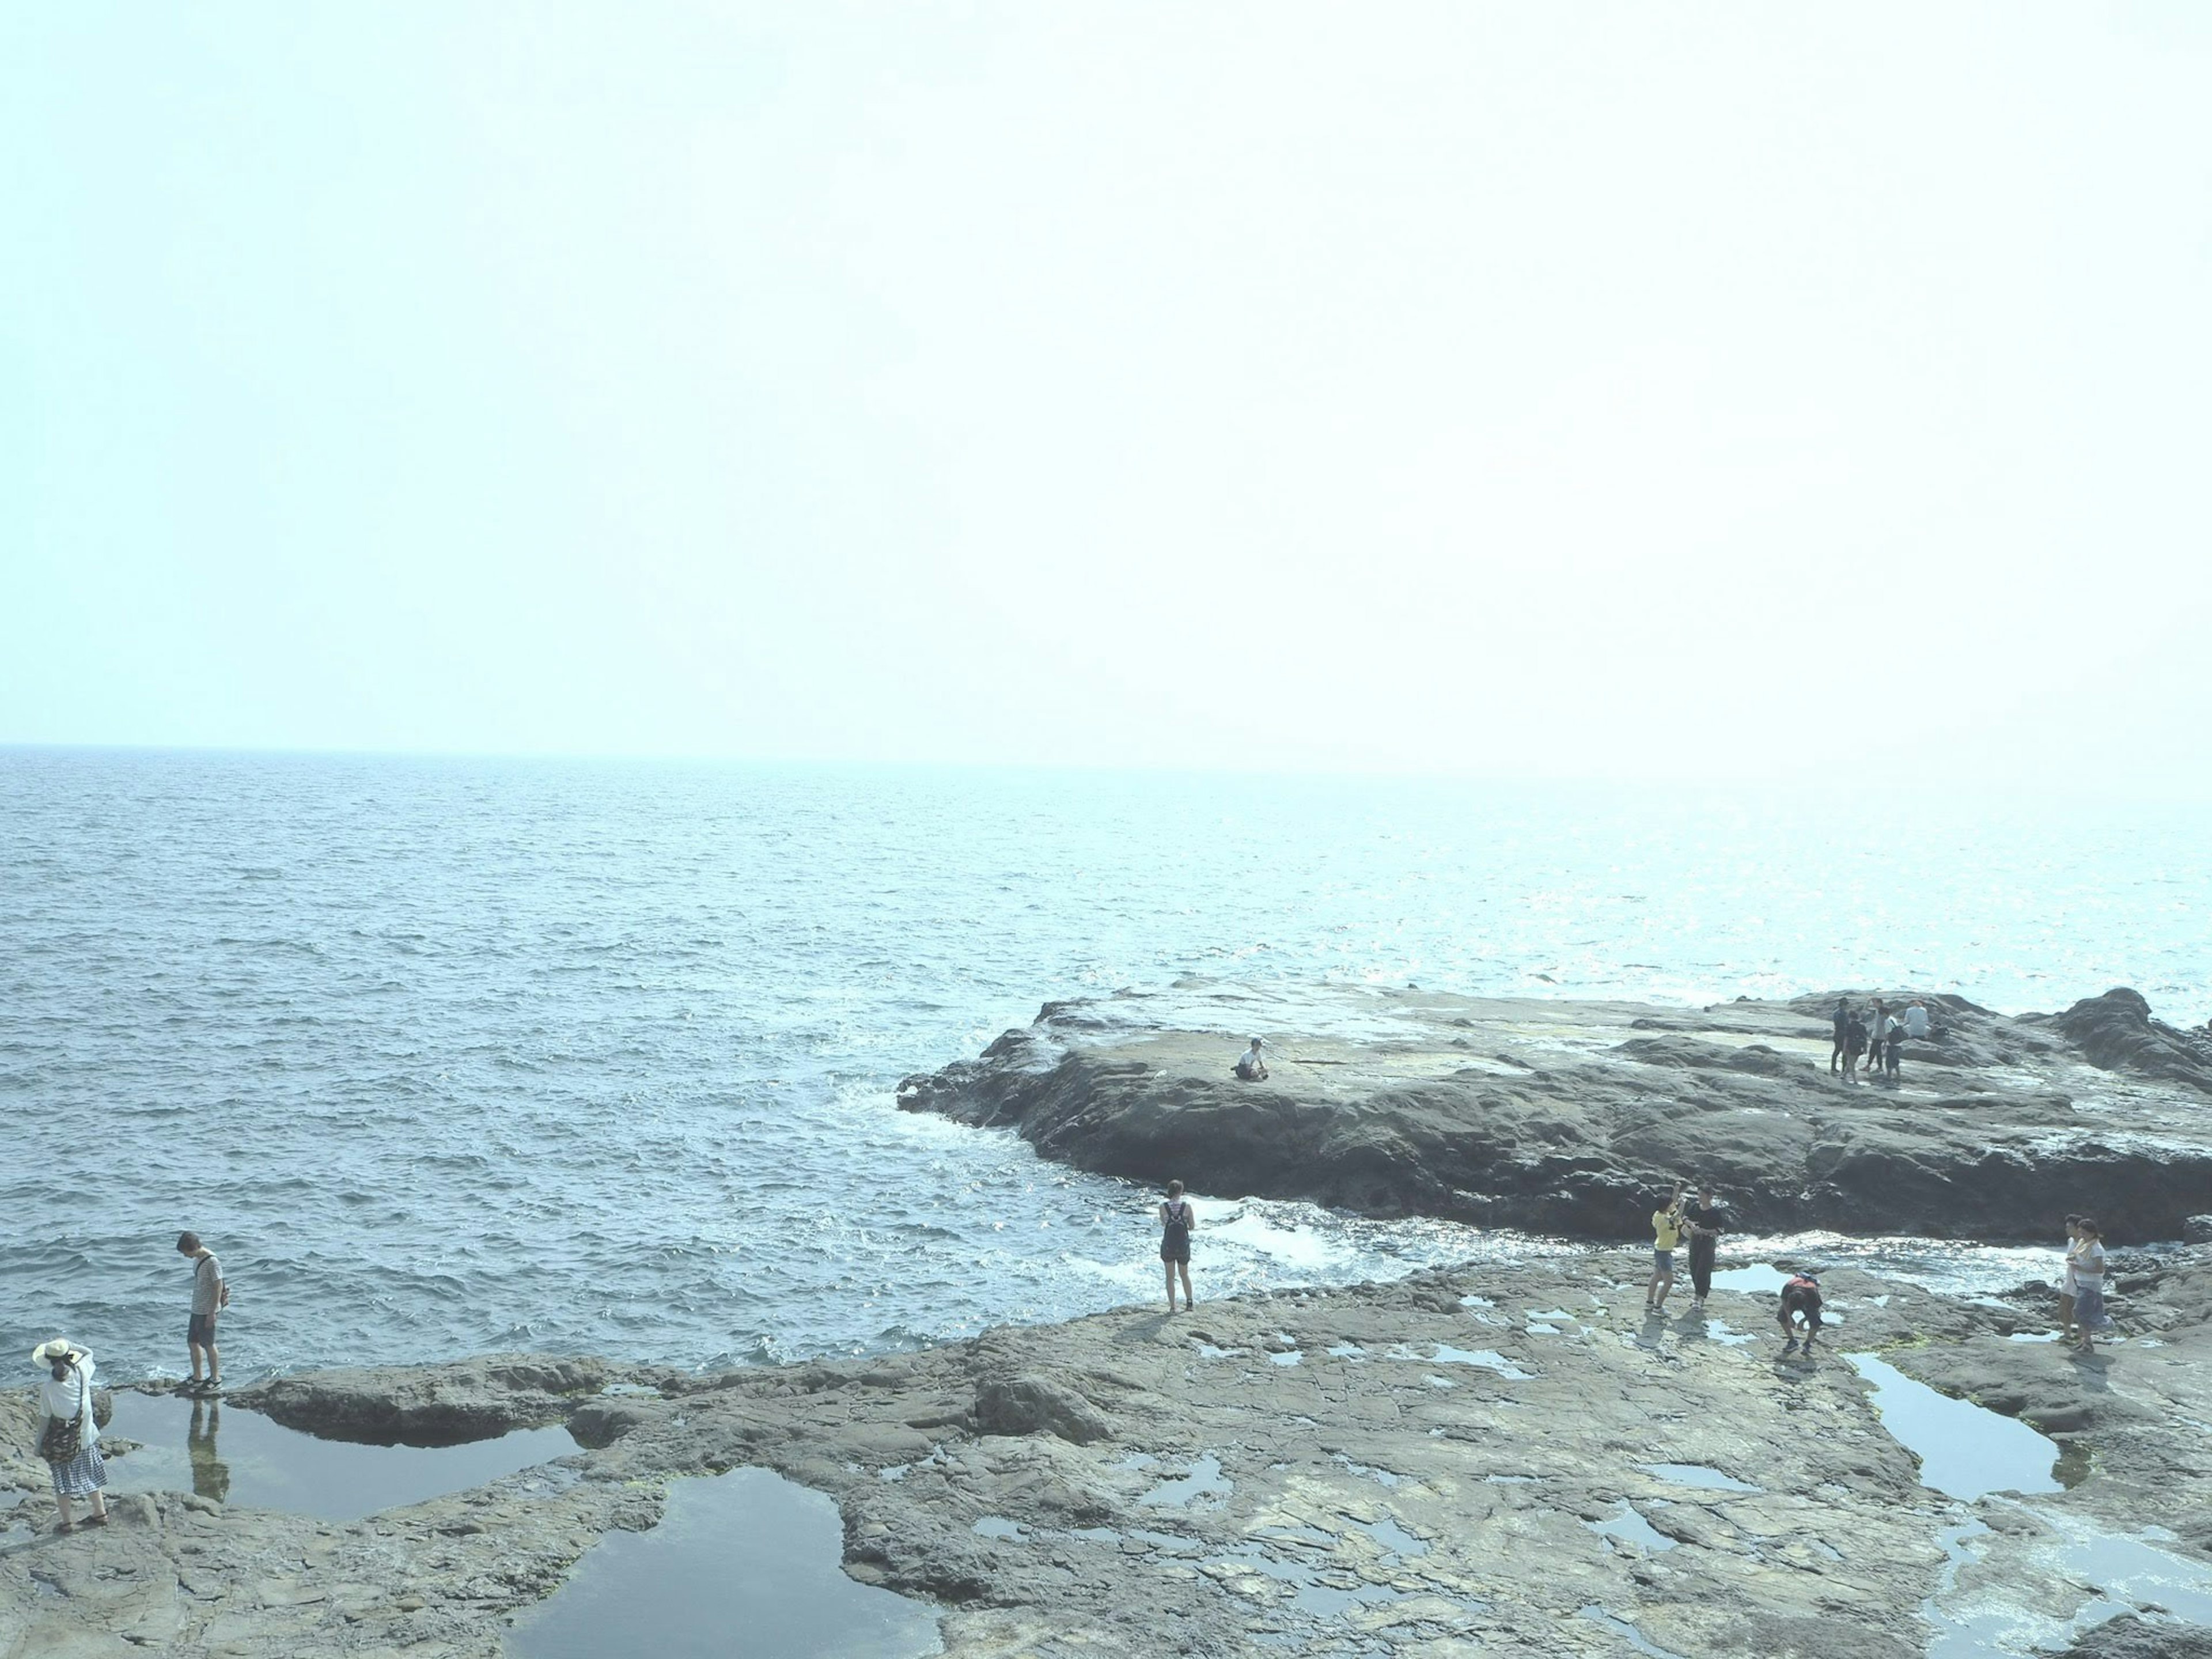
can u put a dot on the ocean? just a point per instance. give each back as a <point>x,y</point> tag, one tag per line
<point>449,1056</point>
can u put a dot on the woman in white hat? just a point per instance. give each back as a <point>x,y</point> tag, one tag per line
<point>66,1397</point>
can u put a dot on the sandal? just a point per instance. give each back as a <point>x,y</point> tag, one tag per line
<point>66,1527</point>
<point>99,1520</point>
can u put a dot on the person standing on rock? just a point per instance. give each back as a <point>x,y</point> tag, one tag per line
<point>1893,1046</point>
<point>1176,1219</point>
<point>1666,1234</point>
<point>1842,1025</point>
<point>2088,1260</point>
<point>211,1296</point>
<point>69,1435</point>
<point>1876,1021</point>
<point>1707,1222</point>
<point>1801,1300</point>
<point>1854,1043</point>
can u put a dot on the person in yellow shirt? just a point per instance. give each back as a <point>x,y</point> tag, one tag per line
<point>1666,1234</point>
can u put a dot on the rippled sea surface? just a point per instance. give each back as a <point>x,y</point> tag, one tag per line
<point>451,1055</point>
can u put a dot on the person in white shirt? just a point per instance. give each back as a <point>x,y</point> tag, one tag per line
<point>1875,1022</point>
<point>66,1398</point>
<point>1251,1065</point>
<point>1916,1019</point>
<point>2086,1262</point>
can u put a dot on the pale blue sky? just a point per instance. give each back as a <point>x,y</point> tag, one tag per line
<point>1598,390</point>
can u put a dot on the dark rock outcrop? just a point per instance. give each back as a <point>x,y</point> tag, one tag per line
<point>386,1405</point>
<point>2116,1031</point>
<point>1567,1116</point>
<point>1030,1403</point>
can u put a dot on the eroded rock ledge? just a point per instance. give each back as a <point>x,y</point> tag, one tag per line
<point>1563,1116</point>
<point>1473,1460</point>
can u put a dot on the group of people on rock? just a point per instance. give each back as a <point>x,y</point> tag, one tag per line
<point>69,1431</point>
<point>1874,1042</point>
<point>1701,1224</point>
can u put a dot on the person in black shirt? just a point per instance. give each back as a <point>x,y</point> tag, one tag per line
<point>1843,1021</point>
<point>1801,1300</point>
<point>1707,1222</point>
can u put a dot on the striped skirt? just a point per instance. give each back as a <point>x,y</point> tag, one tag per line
<point>82,1475</point>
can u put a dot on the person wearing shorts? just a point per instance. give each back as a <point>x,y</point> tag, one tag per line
<point>210,1297</point>
<point>2087,1257</point>
<point>1176,1219</point>
<point>1666,1234</point>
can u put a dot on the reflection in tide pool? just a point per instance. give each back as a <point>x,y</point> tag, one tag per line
<point>234,1455</point>
<point>742,1563</point>
<point>1966,1450</point>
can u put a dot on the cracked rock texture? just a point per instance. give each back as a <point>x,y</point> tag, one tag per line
<point>1565,1117</point>
<point>1468,1462</point>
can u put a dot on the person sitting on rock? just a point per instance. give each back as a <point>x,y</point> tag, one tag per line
<point>1666,1234</point>
<point>1916,1022</point>
<point>1842,1025</point>
<point>1801,1300</point>
<point>1176,1219</point>
<point>1251,1066</point>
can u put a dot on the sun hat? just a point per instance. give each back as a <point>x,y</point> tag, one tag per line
<point>59,1347</point>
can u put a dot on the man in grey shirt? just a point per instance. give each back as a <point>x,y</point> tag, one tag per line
<point>211,1296</point>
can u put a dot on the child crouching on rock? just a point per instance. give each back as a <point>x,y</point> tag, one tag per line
<point>1801,1299</point>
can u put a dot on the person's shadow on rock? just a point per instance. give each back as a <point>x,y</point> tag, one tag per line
<point>1145,1330</point>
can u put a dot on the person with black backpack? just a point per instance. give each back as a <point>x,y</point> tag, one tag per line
<point>1842,1021</point>
<point>1176,1219</point>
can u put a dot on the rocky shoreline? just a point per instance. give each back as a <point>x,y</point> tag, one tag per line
<point>1564,1117</point>
<point>1500,1457</point>
<point>1503,1460</point>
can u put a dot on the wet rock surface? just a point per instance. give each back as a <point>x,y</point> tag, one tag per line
<point>408,1406</point>
<point>1564,1117</point>
<point>1503,1460</point>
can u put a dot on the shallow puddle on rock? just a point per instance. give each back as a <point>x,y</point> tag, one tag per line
<point>1205,1479</point>
<point>1758,1279</point>
<point>997,1526</point>
<point>1629,1527</point>
<point>1487,1358</point>
<point>2116,1573</point>
<point>1393,1537</point>
<point>1347,1350</point>
<point>1966,1450</point>
<point>741,1563</point>
<point>1698,1474</point>
<point>237,1456</point>
<point>1382,1477</point>
<point>1289,1357</point>
<point>1628,1632</point>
